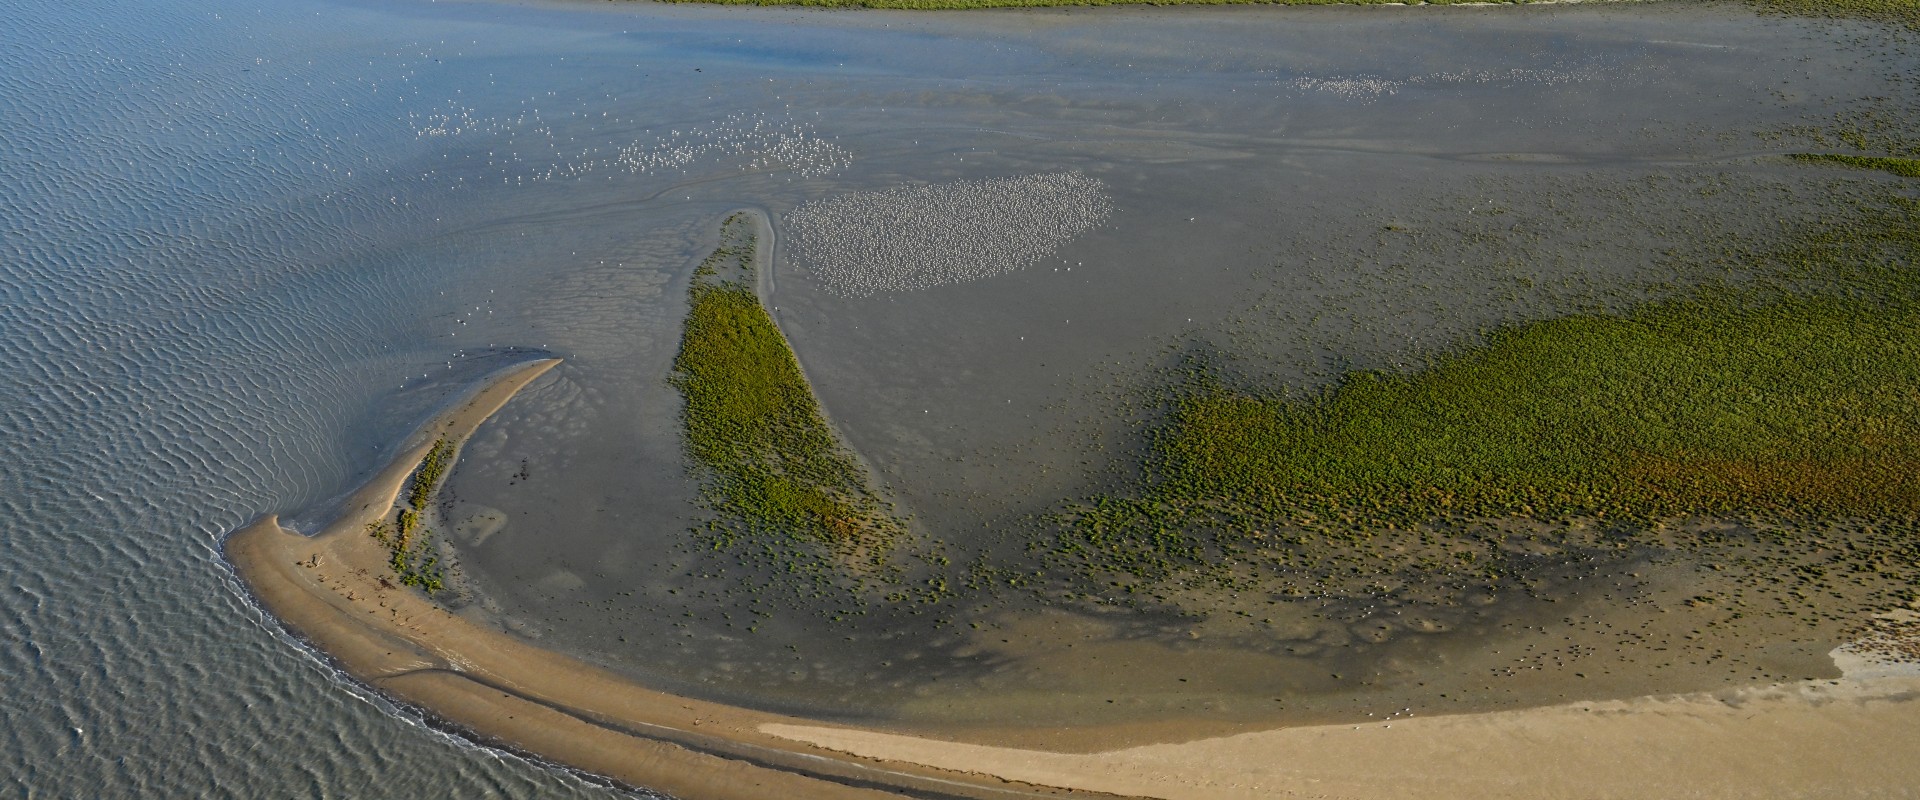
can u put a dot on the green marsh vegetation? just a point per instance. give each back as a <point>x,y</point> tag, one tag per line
<point>775,470</point>
<point>410,542</point>
<point>1893,12</point>
<point>1767,419</point>
<point>1903,167</point>
<point>796,533</point>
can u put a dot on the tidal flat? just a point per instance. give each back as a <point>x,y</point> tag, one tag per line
<point>1273,216</point>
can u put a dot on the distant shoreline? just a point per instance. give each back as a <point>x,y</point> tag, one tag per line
<point>935,5</point>
<point>1890,12</point>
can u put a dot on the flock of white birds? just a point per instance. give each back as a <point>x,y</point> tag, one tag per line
<point>919,237</point>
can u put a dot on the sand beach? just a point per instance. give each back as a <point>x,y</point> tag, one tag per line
<point>1850,737</point>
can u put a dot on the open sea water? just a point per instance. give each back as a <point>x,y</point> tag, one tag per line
<point>207,303</point>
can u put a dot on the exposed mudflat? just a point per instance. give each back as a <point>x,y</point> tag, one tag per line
<point>1299,203</point>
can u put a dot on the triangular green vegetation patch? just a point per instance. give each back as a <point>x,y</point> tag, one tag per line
<point>772,464</point>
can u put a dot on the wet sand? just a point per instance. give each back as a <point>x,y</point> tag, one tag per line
<point>334,590</point>
<point>1832,738</point>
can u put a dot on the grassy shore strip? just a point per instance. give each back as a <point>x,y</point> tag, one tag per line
<point>1892,12</point>
<point>1896,12</point>
<point>935,5</point>
<point>752,422</point>
<point>1903,167</point>
<point>410,541</point>
<point>1789,392</point>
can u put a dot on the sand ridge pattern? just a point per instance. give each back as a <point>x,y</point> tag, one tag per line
<point>919,237</point>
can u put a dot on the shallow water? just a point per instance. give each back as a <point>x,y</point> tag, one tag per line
<point>245,246</point>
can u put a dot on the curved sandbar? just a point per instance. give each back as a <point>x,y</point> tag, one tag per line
<point>336,591</point>
<point>1852,737</point>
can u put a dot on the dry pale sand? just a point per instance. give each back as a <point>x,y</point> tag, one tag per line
<point>1855,737</point>
<point>1846,738</point>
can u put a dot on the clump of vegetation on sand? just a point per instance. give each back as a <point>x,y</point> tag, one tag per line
<point>773,464</point>
<point>407,537</point>
<point>1903,167</point>
<point>1786,392</point>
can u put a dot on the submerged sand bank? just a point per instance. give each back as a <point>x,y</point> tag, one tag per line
<point>1852,737</point>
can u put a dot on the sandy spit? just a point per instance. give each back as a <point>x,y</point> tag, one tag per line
<point>1855,737</point>
<point>334,589</point>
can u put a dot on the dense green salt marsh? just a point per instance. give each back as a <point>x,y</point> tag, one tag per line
<point>1767,418</point>
<point>773,466</point>
<point>1793,392</point>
